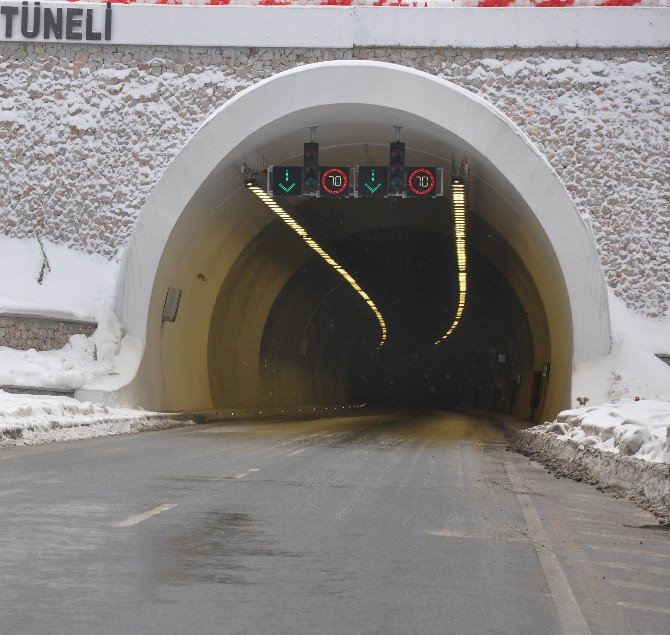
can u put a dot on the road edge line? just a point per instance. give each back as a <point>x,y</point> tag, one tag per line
<point>570,615</point>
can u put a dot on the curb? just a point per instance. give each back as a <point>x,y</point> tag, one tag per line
<point>87,428</point>
<point>271,412</point>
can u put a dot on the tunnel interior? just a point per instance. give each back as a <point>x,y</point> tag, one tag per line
<point>263,322</point>
<point>317,342</point>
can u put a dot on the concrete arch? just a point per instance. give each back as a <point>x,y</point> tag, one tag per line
<point>196,210</point>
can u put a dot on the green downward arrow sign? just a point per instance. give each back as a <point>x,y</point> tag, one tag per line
<point>373,189</point>
<point>287,189</point>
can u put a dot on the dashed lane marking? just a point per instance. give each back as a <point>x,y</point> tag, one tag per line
<point>295,452</point>
<point>135,520</point>
<point>569,613</point>
<point>241,475</point>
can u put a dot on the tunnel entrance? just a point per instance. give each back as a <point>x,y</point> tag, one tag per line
<point>252,300</point>
<point>320,343</point>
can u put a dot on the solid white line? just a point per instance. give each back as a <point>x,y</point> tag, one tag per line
<point>134,520</point>
<point>569,613</point>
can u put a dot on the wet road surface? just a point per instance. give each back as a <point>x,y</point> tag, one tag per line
<point>392,523</point>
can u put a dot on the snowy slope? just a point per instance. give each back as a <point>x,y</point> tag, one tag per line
<point>631,369</point>
<point>78,286</point>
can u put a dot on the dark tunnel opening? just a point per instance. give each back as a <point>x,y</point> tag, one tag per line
<point>320,341</point>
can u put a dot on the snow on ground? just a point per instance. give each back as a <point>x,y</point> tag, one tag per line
<point>631,369</point>
<point>83,361</point>
<point>630,428</point>
<point>78,286</point>
<point>30,419</point>
<point>612,420</point>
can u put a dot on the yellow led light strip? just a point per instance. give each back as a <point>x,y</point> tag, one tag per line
<point>458,198</point>
<point>298,229</point>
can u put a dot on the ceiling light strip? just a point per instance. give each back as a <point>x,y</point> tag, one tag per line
<point>298,229</point>
<point>458,201</point>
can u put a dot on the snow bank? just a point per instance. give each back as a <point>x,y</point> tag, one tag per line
<point>630,428</point>
<point>78,286</point>
<point>30,419</point>
<point>623,447</point>
<point>107,358</point>
<point>644,482</point>
<point>631,369</point>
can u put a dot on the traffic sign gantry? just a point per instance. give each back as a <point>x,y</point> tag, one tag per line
<point>369,181</point>
<point>373,181</point>
<point>286,180</point>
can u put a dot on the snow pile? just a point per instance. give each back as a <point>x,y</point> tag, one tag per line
<point>630,428</point>
<point>106,355</point>
<point>29,419</point>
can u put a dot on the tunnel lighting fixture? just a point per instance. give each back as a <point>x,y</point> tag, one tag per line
<point>459,206</point>
<point>298,229</point>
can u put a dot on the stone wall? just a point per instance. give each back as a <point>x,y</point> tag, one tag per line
<point>89,130</point>
<point>23,332</point>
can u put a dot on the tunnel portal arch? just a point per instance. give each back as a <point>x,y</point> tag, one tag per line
<point>195,218</point>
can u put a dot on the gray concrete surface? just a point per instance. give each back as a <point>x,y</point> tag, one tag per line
<point>389,522</point>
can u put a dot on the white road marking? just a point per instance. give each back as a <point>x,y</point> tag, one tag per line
<point>237,477</point>
<point>296,452</point>
<point>635,552</point>
<point>598,512</point>
<point>600,523</point>
<point>635,569</point>
<point>449,533</point>
<point>135,520</point>
<point>642,607</point>
<point>569,613</point>
<point>605,534</point>
<point>637,585</point>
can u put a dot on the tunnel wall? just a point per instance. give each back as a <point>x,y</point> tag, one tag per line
<point>90,130</point>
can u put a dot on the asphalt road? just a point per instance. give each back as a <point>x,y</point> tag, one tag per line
<point>389,523</point>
